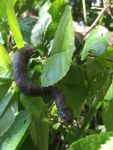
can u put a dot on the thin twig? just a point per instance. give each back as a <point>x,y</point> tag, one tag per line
<point>108,59</point>
<point>8,41</point>
<point>97,19</point>
<point>84,11</point>
<point>110,9</point>
<point>96,8</point>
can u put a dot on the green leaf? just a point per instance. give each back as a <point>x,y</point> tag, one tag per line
<point>44,8</point>
<point>109,95</point>
<point>1,39</point>
<point>39,127</point>
<point>24,6</point>
<point>8,117</point>
<point>13,23</point>
<point>74,87</point>
<point>4,86</point>
<point>5,60</point>
<point>63,48</point>
<point>27,144</point>
<point>92,142</point>
<point>26,26</point>
<point>51,32</point>
<point>6,100</point>
<point>3,8</point>
<point>40,133</point>
<point>33,105</point>
<point>108,145</point>
<point>39,31</point>
<point>55,68</point>
<point>5,75</point>
<point>4,30</point>
<point>71,135</point>
<point>64,42</point>
<point>107,110</point>
<point>106,58</point>
<point>99,79</point>
<point>97,42</point>
<point>11,139</point>
<point>57,9</point>
<point>14,1</point>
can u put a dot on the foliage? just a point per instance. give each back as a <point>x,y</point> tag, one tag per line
<point>83,73</point>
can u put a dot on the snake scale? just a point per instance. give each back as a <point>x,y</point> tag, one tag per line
<point>20,61</point>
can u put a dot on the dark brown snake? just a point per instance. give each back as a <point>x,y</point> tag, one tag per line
<point>20,61</point>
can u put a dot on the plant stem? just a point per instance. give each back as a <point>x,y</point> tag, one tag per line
<point>84,11</point>
<point>96,8</point>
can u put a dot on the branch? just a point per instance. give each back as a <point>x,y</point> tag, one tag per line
<point>97,19</point>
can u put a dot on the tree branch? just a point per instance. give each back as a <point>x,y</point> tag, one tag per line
<point>96,21</point>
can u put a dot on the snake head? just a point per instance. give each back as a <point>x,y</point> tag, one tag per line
<point>63,111</point>
<point>66,115</point>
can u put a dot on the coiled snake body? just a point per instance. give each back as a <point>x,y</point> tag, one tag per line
<point>20,60</point>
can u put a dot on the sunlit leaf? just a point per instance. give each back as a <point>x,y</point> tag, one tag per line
<point>3,8</point>
<point>97,42</point>
<point>55,68</point>
<point>13,23</point>
<point>98,78</point>
<point>92,142</point>
<point>5,75</point>
<point>14,1</point>
<point>44,8</point>
<point>74,87</point>
<point>57,9</point>
<point>26,26</point>
<point>4,87</point>
<point>107,111</point>
<point>5,60</point>
<point>58,64</point>
<point>39,127</point>
<point>39,31</point>
<point>8,117</point>
<point>7,99</point>
<point>108,145</point>
<point>64,42</point>
<point>1,39</point>
<point>11,139</point>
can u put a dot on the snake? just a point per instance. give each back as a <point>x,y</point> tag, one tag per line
<point>29,88</point>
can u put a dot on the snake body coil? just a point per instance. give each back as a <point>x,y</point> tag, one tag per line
<point>20,60</point>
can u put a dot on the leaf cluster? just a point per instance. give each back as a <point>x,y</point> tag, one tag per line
<point>83,73</point>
